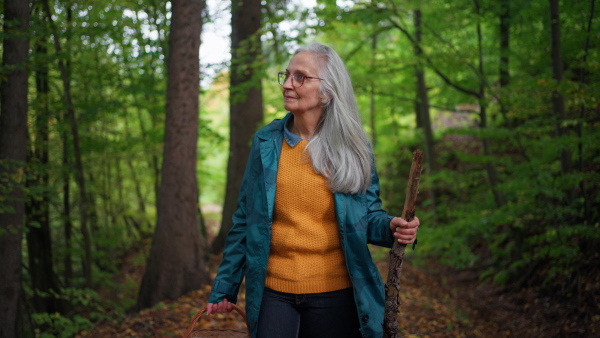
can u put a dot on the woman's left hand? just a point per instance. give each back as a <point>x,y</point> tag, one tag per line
<point>405,232</point>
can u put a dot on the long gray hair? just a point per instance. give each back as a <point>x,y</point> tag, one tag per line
<point>339,148</point>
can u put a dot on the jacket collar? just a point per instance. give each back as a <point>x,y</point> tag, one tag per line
<point>274,130</point>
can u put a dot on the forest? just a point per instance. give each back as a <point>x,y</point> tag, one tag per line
<point>122,153</point>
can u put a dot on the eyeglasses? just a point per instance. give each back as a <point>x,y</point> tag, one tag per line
<point>297,79</point>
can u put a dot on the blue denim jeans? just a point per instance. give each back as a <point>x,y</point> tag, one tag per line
<point>314,315</point>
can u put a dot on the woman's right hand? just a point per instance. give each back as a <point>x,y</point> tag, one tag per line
<point>220,307</point>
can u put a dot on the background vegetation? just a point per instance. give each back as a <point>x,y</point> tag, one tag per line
<point>503,96</point>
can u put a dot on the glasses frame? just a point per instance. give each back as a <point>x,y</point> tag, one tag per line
<point>285,76</point>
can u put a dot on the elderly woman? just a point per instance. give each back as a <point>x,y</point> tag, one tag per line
<point>308,207</point>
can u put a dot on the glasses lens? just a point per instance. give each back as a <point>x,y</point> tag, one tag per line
<point>298,80</point>
<point>282,77</point>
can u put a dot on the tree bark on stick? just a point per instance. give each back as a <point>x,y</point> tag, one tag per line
<point>392,287</point>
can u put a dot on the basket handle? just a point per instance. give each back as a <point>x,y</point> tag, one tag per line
<point>203,310</point>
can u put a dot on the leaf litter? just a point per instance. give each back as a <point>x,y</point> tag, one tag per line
<point>436,301</point>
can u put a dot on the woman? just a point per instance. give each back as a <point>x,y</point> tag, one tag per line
<point>308,206</point>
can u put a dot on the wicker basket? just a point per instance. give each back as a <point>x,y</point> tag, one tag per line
<point>193,332</point>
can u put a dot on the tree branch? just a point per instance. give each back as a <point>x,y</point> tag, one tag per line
<point>432,66</point>
<point>402,98</point>
<point>363,42</point>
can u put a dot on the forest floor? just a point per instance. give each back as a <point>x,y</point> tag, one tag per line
<point>436,302</point>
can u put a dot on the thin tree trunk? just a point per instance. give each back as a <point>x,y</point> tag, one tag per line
<point>68,225</point>
<point>141,201</point>
<point>586,200</point>
<point>66,170</point>
<point>92,216</point>
<point>490,168</point>
<point>558,101</point>
<point>153,160</point>
<point>79,175</point>
<point>419,71</point>
<point>203,232</point>
<point>145,140</point>
<point>423,105</point>
<point>13,152</point>
<point>121,205</point>
<point>504,71</point>
<point>155,125</point>
<point>176,262</point>
<point>246,110</point>
<point>39,241</point>
<point>149,100</point>
<point>138,189</point>
<point>504,74</point>
<point>93,220</point>
<point>372,94</point>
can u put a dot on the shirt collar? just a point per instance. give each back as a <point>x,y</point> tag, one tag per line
<point>291,138</point>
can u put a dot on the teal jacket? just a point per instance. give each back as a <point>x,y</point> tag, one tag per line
<point>360,218</point>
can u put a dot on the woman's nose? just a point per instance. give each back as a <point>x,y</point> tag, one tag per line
<point>288,83</point>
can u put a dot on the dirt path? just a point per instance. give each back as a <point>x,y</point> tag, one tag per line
<point>441,302</point>
<point>436,302</point>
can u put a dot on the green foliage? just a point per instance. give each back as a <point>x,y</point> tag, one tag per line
<point>543,236</point>
<point>89,310</point>
<point>538,227</point>
<point>58,325</point>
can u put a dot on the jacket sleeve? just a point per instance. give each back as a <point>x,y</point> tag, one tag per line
<point>378,231</point>
<point>232,268</point>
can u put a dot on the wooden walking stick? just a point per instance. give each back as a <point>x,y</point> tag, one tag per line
<point>392,287</point>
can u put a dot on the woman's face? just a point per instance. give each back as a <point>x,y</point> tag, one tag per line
<point>303,99</point>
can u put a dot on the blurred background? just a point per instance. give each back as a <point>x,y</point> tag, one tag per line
<point>502,97</point>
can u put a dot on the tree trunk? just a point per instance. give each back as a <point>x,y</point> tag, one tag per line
<point>423,105</point>
<point>79,175</point>
<point>146,139</point>
<point>66,170</point>
<point>66,213</point>
<point>175,265</point>
<point>13,152</point>
<point>558,101</point>
<point>39,241</point>
<point>489,167</point>
<point>372,94</point>
<point>141,201</point>
<point>504,73</point>
<point>584,81</point>
<point>245,101</point>
<point>503,69</point>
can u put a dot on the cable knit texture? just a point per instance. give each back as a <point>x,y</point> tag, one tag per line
<point>306,254</point>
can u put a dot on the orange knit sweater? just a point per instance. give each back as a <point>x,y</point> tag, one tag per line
<point>306,254</point>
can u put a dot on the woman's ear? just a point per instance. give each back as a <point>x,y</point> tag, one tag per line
<point>325,100</point>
